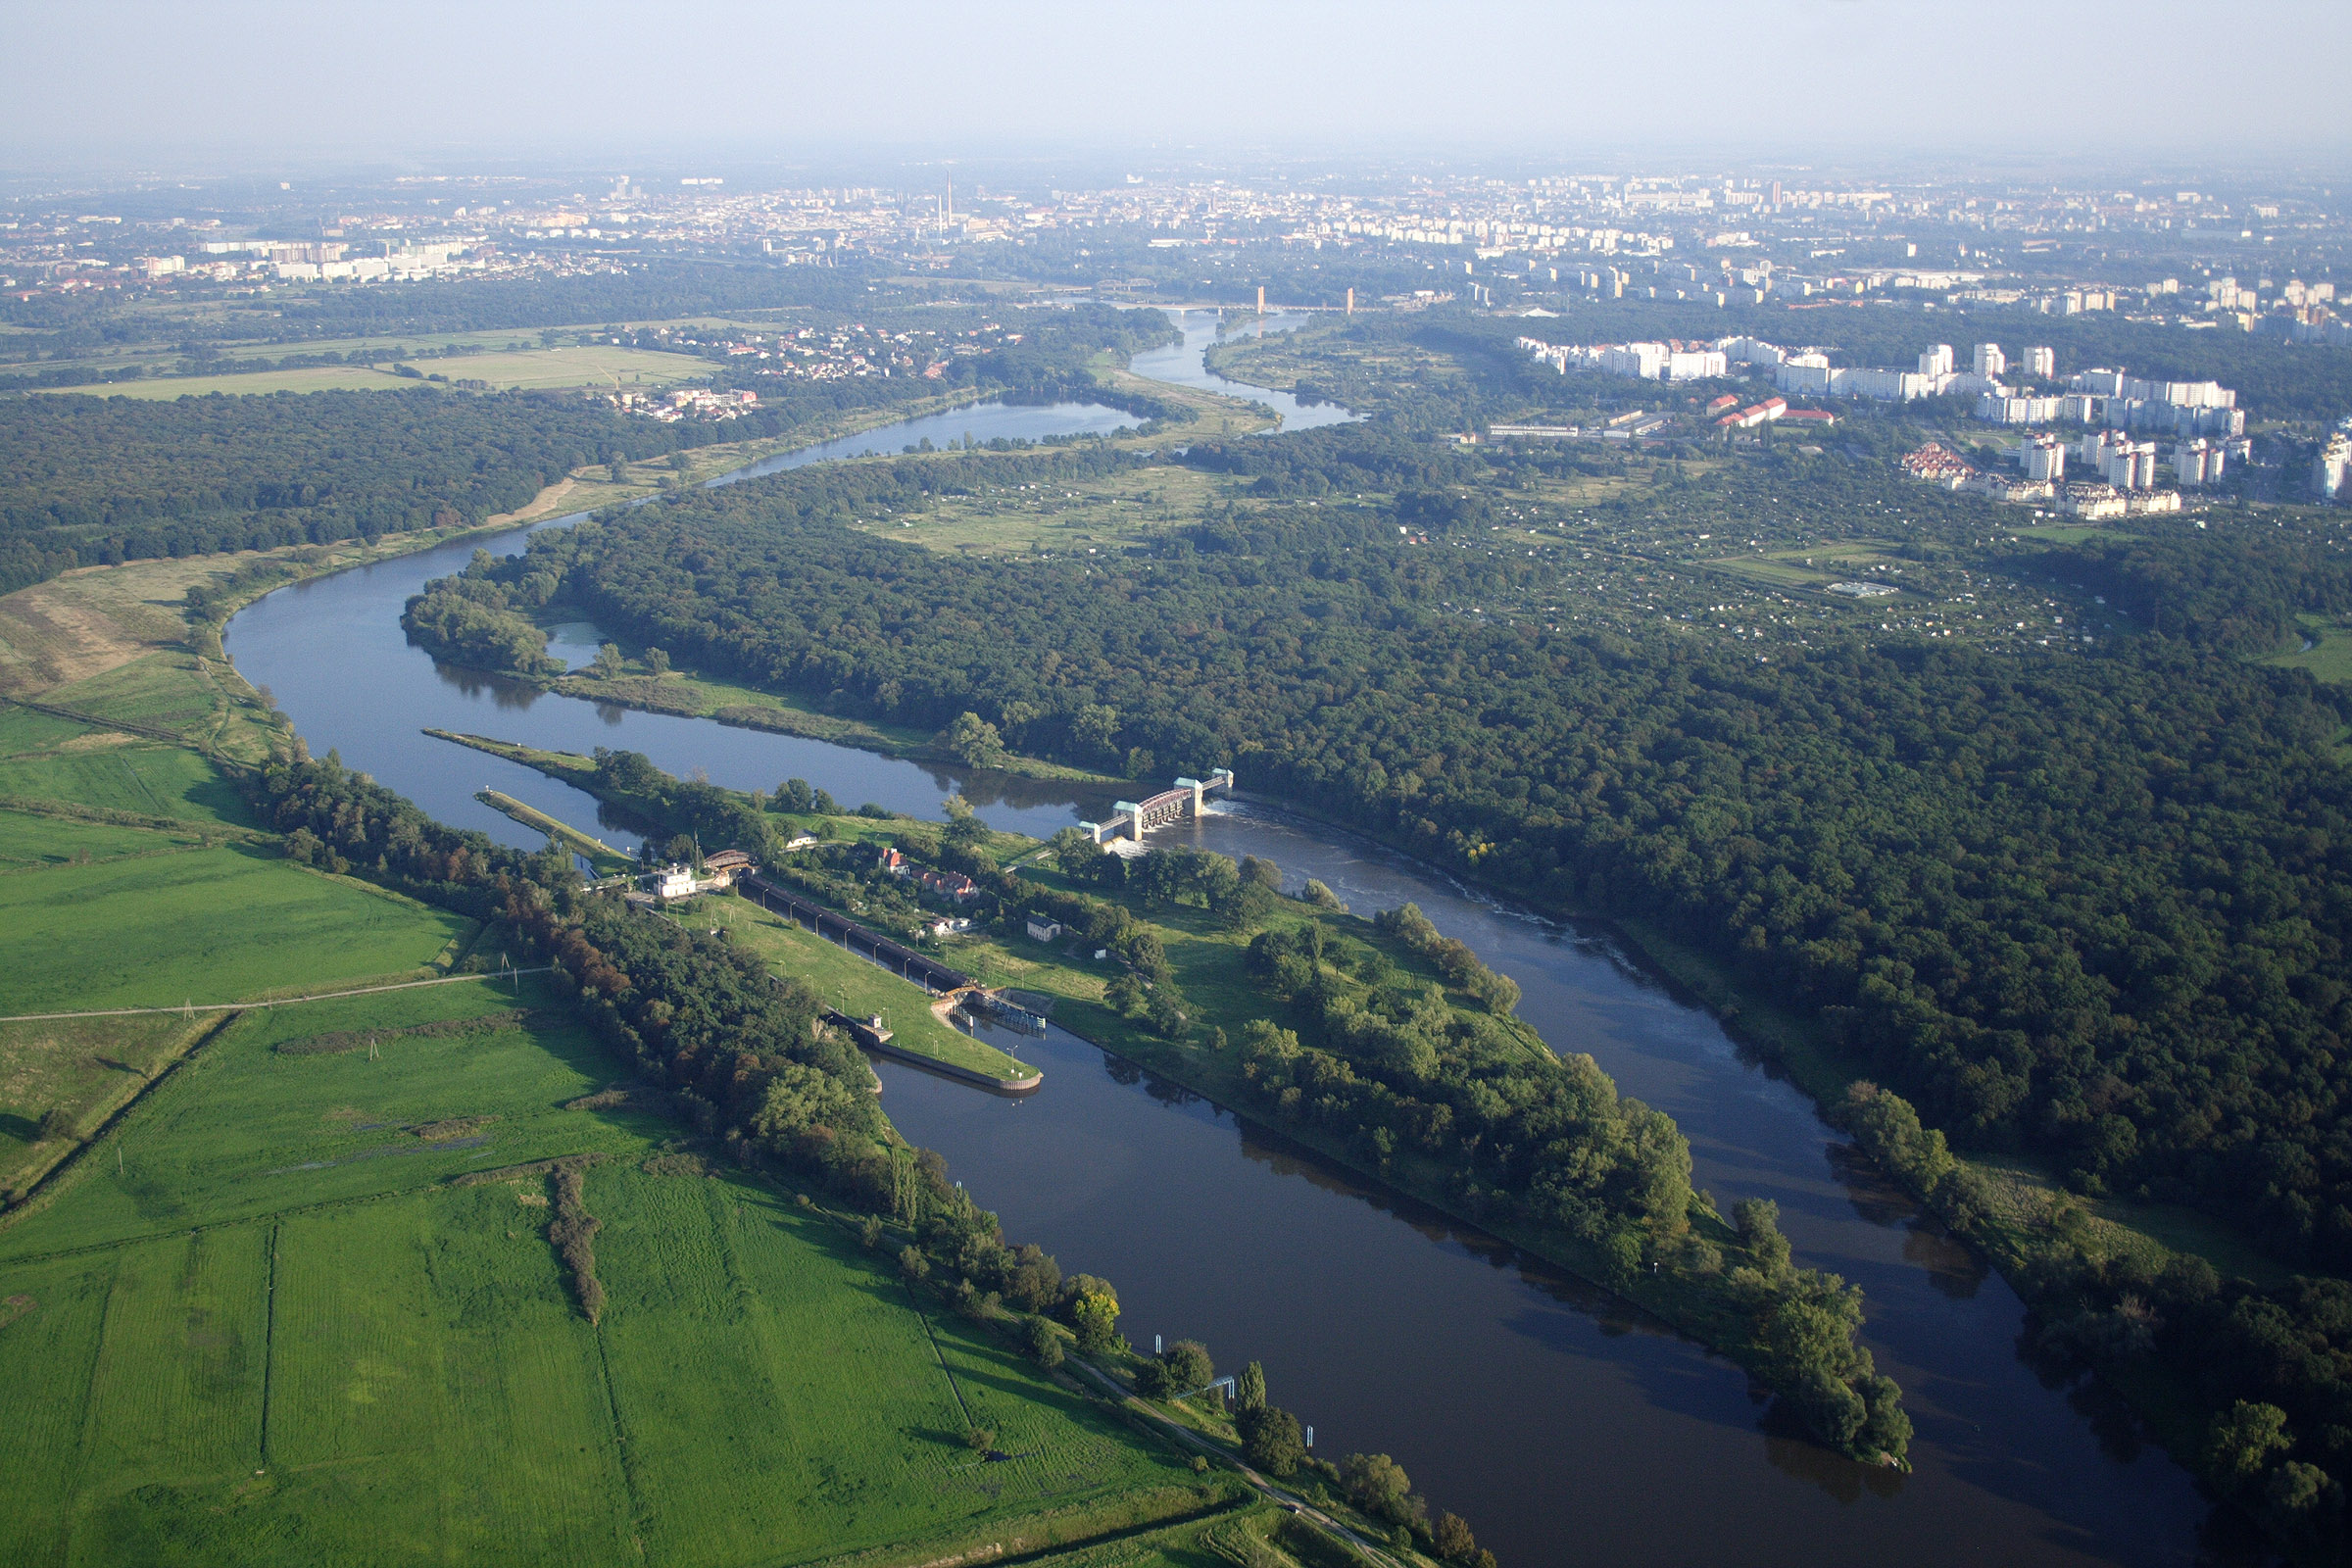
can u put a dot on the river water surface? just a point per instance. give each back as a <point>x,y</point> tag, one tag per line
<point>1565,1427</point>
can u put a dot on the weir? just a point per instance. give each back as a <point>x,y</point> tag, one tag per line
<point>1135,818</point>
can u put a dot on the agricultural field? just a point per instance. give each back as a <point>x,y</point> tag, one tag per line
<point>431,350</point>
<point>607,364</point>
<point>112,771</point>
<point>30,840</point>
<point>74,1072</point>
<point>257,1335</point>
<point>228,923</point>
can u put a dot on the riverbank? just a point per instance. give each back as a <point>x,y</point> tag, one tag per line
<point>1689,1285</point>
<point>684,694</point>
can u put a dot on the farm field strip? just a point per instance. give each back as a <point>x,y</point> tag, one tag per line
<point>527,368</point>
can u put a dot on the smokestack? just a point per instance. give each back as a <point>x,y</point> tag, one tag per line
<point>1351,300</point>
<point>1261,299</point>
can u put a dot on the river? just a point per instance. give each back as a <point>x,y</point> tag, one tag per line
<point>1564,1426</point>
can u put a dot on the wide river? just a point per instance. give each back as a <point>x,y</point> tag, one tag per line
<point>1566,1427</point>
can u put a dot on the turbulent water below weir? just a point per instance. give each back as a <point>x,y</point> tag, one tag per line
<point>1567,1429</point>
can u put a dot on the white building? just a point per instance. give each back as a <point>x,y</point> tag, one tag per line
<point>1808,374</point>
<point>2041,363</point>
<point>2197,462</point>
<point>1753,351</point>
<point>1989,361</point>
<point>2043,457</point>
<point>2130,466</point>
<point>1641,360</point>
<point>2009,409</point>
<point>2329,468</point>
<point>1938,361</point>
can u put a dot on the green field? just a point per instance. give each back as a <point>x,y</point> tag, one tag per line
<point>158,357</point>
<point>223,924</point>
<point>274,1333</point>
<point>2329,657</point>
<point>141,778</point>
<point>857,987</point>
<point>591,365</point>
<point>1068,517</point>
<point>83,1067</point>
<point>30,840</point>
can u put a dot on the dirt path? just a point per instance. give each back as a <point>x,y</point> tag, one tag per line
<point>281,1002</point>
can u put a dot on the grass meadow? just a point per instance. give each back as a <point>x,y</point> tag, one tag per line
<point>245,1129</point>
<point>223,924</point>
<point>532,369</point>
<point>145,779</point>
<point>275,1333</point>
<point>2330,656</point>
<point>32,840</point>
<point>84,1067</point>
<point>857,987</point>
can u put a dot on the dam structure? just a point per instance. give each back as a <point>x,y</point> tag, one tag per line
<point>1132,819</point>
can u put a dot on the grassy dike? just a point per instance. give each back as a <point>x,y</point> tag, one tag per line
<point>1211,968</point>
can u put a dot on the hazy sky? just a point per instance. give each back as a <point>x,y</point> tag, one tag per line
<point>195,82</point>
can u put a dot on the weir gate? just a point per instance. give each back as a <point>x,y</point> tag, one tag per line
<point>1134,818</point>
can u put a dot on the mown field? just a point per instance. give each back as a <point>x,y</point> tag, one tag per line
<point>857,987</point>
<point>603,365</point>
<point>273,1331</point>
<point>206,926</point>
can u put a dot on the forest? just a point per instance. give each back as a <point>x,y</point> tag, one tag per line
<point>657,289</point>
<point>86,481</point>
<point>2093,906</point>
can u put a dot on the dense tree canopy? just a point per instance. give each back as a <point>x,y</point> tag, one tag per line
<point>2094,904</point>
